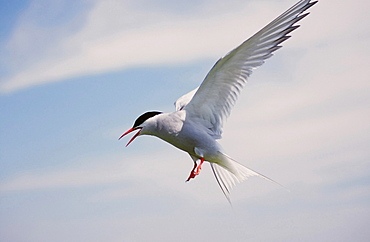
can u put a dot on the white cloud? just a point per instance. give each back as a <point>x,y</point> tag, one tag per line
<point>61,178</point>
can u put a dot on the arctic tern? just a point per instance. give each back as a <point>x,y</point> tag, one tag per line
<point>200,114</point>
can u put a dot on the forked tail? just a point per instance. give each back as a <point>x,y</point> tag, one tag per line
<point>229,172</point>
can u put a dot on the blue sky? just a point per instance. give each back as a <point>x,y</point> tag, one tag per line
<point>74,75</point>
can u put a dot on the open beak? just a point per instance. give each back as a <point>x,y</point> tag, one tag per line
<point>133,137</point>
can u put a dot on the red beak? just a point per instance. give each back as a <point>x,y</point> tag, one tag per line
<point>129,131</point>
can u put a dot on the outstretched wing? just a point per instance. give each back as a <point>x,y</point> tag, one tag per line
<point>212,102</point>
<point>184,100</point>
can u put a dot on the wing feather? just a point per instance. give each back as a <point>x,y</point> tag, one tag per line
<point>184,100</point>
<point>212,102</point>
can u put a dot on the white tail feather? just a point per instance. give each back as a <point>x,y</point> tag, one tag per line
<point>229,172</point>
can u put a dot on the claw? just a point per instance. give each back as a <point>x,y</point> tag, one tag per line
<point>196,169</point>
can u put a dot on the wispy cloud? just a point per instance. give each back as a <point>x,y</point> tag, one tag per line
<point>62,178</point>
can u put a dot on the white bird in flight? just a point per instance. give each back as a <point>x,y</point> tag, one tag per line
<point>200,114</point>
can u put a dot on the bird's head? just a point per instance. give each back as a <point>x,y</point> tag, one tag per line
<point>139,124</point>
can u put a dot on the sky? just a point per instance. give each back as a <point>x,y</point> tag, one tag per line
<point>74,75</point>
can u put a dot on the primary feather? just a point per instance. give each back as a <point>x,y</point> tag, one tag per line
<point>213,100</point>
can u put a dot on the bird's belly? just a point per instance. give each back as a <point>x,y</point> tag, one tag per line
<point>182,142</point>
<point>189,139</point>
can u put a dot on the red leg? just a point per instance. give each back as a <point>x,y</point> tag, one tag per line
<point>199,166</point>
<point>196,172</point>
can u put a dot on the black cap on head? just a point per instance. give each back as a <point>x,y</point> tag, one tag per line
<point>144,117</point>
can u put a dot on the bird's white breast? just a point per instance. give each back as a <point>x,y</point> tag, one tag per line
<point>183,132</point>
